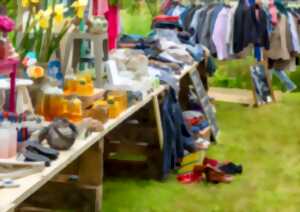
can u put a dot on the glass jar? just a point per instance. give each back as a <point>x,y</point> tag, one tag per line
<point>53,104</point>
<point>84,88</point>
<point>100,111</point>
<point>120,97</point>
<point>114,108</point>
<point>75,110</point>
<point>70,85</point>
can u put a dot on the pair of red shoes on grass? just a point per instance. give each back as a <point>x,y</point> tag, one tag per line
<point>209,171</point>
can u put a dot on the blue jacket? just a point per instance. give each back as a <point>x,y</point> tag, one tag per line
<point>177,137</point>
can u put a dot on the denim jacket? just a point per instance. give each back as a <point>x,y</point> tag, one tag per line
<point>177,137</point>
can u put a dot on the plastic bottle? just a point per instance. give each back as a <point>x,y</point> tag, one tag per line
<point>13,143</point>
<point>5,138</point>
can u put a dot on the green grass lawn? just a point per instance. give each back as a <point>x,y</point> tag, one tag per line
<point>265,140</point>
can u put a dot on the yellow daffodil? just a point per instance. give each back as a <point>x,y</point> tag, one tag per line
<point>43,17</point>
<point>59,13</point>
<point>27,3</point>
<point>79,7</point>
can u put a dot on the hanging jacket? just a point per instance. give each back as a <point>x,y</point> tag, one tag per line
<point>279,41</point>
<point>238,27</point>
<point>256,28</point>
<point>189,17</point>
<point>205,36</point>
<point>203,25</point>
<point>281,7</point>
<point>219,34</point>
<point>177,138</point>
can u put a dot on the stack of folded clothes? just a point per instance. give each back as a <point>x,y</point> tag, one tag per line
<point>166,22</point>
<point>199,126</point>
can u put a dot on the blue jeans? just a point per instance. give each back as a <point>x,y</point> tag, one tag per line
<point>285,80</point>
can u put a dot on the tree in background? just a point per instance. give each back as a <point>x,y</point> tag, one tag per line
<point>135,6</point>
<point>8,7</point>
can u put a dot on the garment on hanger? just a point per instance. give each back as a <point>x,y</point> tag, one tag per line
<point>189,16</point>
<point>100,7</point>
<point>278,41</point>
<point>239,27</point>
<point>255,28</point>
<point>203,25</point>
<point>219,34</point>
<point>273,12</point>
<point>230,30</point>
<point>114,26</point>
<point>197,20</point>
<point>205,37</point>
<point>177,137</point>
<point>165,5</point>
<point>294,33</point>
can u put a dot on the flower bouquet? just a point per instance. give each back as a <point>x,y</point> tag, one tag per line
<point>45,28</point>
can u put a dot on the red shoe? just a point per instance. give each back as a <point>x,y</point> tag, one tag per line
<point>189,178</point>
<point>211,162</point>
<point>214,175</point>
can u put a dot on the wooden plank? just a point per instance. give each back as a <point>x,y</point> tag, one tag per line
<point>186,71</point>
<point>134,132</point>
<point>7,208</point>
<point>137,149</point>
<point>232,95</point>
<point>70,197</point>
<point>235,95</point>
<point>158,122</point>
<point>30,184</point>
<point>92,173</point>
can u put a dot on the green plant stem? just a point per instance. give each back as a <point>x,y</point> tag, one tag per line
<point>56,40</point>
<point>25,35</point>
<point>48,36</point>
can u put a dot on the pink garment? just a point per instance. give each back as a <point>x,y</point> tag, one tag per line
<point>273,12</point>
<point>220,32</point>
<point>165,5</point>
<point>114,26</point>
<point>100,7</point>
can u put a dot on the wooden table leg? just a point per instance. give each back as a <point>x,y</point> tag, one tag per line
<point>12,100</point>
<point>158,122</point>
<point>91,174</point>
<point>82,193</point>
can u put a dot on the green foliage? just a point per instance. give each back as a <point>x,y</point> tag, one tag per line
<point>138,6</point>
<point>136,23</point>
<point>236,74</point>
<point>11,6</point>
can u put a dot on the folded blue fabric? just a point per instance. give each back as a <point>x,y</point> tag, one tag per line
<point>199,127</point>
<point>196,52</point>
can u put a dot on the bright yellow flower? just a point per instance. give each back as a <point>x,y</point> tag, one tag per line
<point>59,13</point>
<point>43,17</point>
<point>25,3</point>
<point>79,7</point>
